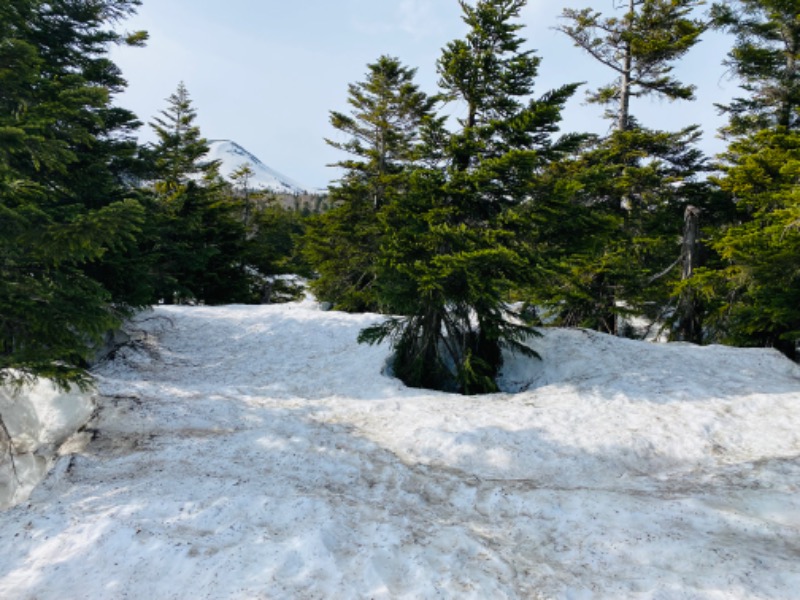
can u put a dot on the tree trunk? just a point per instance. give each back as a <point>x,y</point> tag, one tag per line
<point>623,119</point>
<point>690,327</point>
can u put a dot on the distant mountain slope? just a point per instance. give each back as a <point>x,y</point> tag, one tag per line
<point>232,156</point>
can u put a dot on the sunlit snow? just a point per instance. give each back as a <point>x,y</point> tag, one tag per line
<point>260,452</point>
<point>232,157</point>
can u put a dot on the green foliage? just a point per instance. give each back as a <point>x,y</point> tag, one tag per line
<point>765,58</point>
<point>456,244</point>
<point>383,134</point>
<point>637,182</point>
<point>639,47</point>
<point>342,245</point>
<point>198,238</point>
<point>65,212</point>
<point>612,230</point>
<point>273,241</point>
<point>756,293</point>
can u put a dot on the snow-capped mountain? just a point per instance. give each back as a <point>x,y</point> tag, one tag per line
<point>232,156</point>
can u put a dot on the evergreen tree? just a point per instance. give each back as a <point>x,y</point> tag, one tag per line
<point>455,246</point>
<point>766,58</point>
<point>755,288</point>
<point>756,292</point>
<point>627,195</point>
<point>382,133</point>
<point>57,227</point>
<point>639,47</point>
<point>199,241</point>
<point>641,180</point>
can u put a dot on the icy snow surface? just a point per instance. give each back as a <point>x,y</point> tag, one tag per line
<point>260,452</point>
<point>41,421</point>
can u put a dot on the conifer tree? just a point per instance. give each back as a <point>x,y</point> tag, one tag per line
<point>382,134</point>
<point>756,292</point>
<point>57,120</point>
<point>640,47</point>
<point>641,179</point>
<point>199,244</point>
<point>455,246</point>
<point>755,289</point>
<point>766,59</point>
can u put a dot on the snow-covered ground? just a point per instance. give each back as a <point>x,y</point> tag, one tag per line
<point>259,452</point>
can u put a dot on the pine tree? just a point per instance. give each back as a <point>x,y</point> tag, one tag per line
<point>639,47</point>
<point>641,179</point>
<point>56,228</point>
<point>455,247</point>
<point>383,131</point>
<point>766,58</point>
<point>199,241</point>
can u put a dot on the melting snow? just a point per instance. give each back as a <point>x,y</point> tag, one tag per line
<point>260,452</point>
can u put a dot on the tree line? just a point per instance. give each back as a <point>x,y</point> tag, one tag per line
<point>469,232</point>
<point>93,225</point>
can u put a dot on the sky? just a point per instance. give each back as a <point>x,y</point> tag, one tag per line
<point>267,73</point>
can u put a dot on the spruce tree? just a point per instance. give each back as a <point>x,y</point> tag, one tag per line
<point>640,47</point>
<point>57,121</point>
<point>642,180</point>
<point>199,242</point>
<point>456,247</point>
<point>766,59</point>
<point>754,289</point>
<point>382,133</point>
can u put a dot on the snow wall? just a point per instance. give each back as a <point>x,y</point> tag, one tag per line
<point>40,419</point>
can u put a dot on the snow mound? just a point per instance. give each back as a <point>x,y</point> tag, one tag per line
<point>232,156</point>
<point>244,452</point>
<point>40,419</point>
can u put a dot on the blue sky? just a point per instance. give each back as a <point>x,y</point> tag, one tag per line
<point>266,73</point>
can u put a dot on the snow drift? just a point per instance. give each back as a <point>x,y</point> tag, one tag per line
<point>259,452</point>
<point>40,420</point>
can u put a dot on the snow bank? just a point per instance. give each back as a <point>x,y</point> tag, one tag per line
<point>39,419</point>
<point>260,452</point>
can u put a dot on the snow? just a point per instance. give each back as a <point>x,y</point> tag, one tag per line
<point>260,452</point>
<point>232,156</point>
<point>40,419</point>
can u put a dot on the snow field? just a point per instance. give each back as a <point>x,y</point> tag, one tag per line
<point>260,452</point>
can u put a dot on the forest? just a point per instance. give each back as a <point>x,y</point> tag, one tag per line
<point>468,233</point>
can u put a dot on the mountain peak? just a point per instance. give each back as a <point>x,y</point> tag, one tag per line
<point>232,156</point>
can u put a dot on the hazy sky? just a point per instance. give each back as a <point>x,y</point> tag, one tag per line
<point>266,73</point>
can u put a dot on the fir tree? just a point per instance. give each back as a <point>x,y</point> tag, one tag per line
<point>766,58</point>
<point>753,288</point>
<point>640,47</point>
<point>57,228</point>
<point>756,289</point>
<point>382,133</point>
<point>641,179</point>
<point>455,247</point>
<point>199,241</point>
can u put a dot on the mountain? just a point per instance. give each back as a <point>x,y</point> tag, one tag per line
<point>232,156</point>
